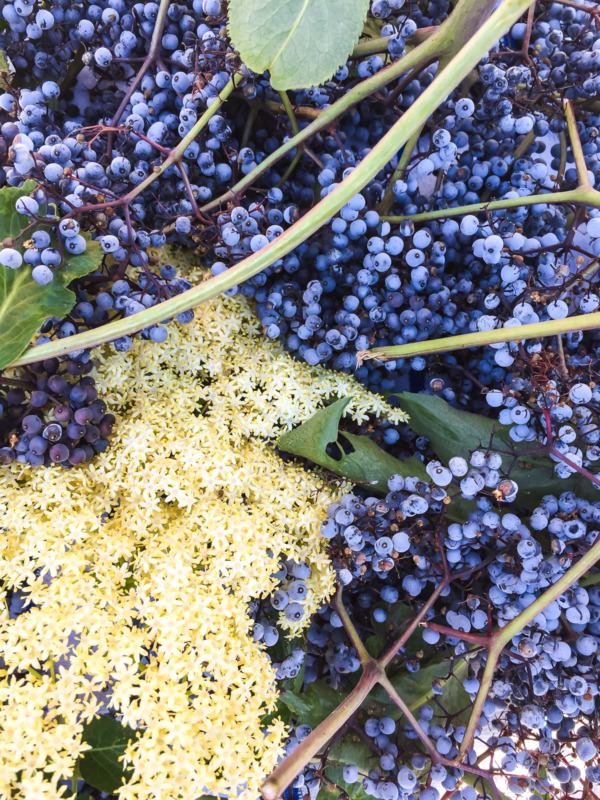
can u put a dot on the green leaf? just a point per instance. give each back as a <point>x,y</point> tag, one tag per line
<point>314,704</point>
<point>360,459</point>
<point>415,688</point>
<point>590,578</point>
<point>5,67</point>
<point>372,28</point>
<point>100,766</point>
<point>453,432</point>
<point>24,304</point>
<point>301,42</point>
<point>335,774</point>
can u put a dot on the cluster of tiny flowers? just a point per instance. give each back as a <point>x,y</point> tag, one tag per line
<point>130,579</point>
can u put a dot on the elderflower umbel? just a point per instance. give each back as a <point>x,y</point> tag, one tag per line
<point>137,569</point>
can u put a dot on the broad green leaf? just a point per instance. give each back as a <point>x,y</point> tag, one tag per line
<point>330,791</point>
<point>24,304</point>
<point>100,766</point>
<point>301,42</point>
<point>360,459</point>
<point>312,705</point>
<point>453,432</point>
<point>415,688</point>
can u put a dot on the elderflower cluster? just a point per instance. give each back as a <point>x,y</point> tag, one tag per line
<point>136,570</point>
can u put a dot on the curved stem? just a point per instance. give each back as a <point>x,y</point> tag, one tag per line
<point>501,638</point>
<point>581,322</point>
<point>384,150</point>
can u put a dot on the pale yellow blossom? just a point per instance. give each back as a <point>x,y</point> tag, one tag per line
<point>152,554</point>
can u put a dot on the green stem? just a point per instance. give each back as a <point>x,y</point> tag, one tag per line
<point>296,130</point>
<point>284,774</point>
<point>552,327</point>
<point>253,111</point>
<point>387,199</point>
<point>582,171</point>
<point>414,117</point>
<point>502,637</point>
<point>562,163</point>
<point>290,112</point>
<point>340,610</point>
<point>580,196</point>
<point>425,52</point>
<point>524,145</point>
<point>35,673</point>
<point>370,47</point>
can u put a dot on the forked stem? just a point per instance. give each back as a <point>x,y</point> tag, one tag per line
<point>414,117</point>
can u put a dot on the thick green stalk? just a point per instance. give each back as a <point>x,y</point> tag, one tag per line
<point>504,16</point>
<point>427,51</point>
<point>502,637</point>
<point>284,774</point>
<point>552,327</point>
<point>579,196</point>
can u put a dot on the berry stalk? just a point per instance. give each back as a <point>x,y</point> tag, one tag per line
<point>386,148</point>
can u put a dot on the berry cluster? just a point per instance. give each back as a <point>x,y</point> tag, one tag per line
<point>53,415</point>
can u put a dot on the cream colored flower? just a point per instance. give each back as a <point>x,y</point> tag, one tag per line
<point>141,565</point>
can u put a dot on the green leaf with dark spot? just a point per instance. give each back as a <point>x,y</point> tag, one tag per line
<point>24,304</point>
<point>359,460</point>
<point>453,432</point>
<point>301,42</point>
<point>100,766</point>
